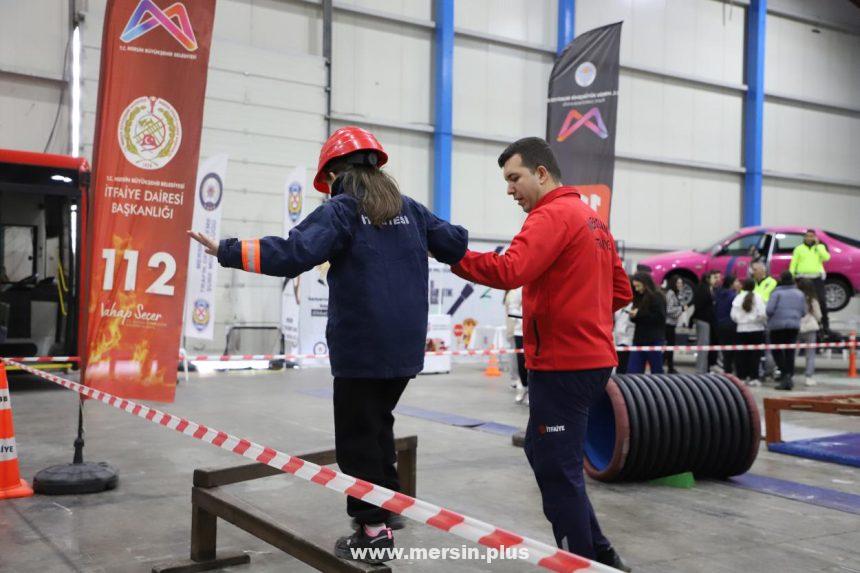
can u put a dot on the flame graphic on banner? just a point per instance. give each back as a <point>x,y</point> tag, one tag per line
<point>111,336</point>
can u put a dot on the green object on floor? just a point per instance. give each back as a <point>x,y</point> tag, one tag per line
<point>683,481</point>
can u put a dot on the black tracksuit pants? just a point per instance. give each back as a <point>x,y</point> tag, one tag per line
<point>554,444</point>
<point>364,437</point>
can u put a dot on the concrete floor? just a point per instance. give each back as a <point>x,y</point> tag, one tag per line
<point>710,528</point>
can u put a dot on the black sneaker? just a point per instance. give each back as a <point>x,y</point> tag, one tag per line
<point>394,522</point>
<point>361,547</point>
<point>610,557</point>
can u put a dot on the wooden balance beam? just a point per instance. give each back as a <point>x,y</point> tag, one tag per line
<point>844,404</point>
<point>209,502</point>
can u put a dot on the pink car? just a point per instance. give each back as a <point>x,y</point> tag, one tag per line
<point>734,254</point>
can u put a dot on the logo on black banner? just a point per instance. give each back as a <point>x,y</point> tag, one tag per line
<point>585,74</point>
<point>575,120</point>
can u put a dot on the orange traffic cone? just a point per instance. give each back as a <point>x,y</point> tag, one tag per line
<point>852,355</point>
<point>492,370</point>
<point>11,484</point>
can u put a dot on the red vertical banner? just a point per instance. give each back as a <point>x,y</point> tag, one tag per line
<point>155,55</point>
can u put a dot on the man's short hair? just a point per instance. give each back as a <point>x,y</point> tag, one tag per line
<point>810,231</point>
<point>534,152</point>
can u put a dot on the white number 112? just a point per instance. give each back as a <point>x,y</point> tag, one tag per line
<point>159,286</point>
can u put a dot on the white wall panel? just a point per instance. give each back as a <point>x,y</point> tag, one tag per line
<point>693,37</point>
<point>834,11</point>
<point>381,70</point>
<point>421,9</point>
<point>666,206</point>
<point>33,40</point>
<point>532,21</point>
<point>478,192</point>
<point>670,119</point>
<point>28,108</point>
<point>34,35</point>
<point>833,208</point>
<point>498,90</point>
<point>818,65</point>
<point>810,141</point>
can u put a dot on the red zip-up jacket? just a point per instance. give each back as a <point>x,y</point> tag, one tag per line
<point>572,278</point>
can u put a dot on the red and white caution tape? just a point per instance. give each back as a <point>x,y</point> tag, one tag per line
<point>849,344</point>
<point>468,528</point>
<point>41,359</point>
<point>795,345</point>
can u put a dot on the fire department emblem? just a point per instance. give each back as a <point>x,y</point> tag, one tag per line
<point>149,132</point>
<point>200,316</point>
<point>294,205</point>
<point>211,191</point>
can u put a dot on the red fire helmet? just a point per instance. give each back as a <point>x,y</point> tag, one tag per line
<point>342,142</point>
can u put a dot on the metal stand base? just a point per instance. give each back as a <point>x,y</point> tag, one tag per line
<point>70,479</point>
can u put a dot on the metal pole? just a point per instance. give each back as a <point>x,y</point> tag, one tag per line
<point>443,106</point>
<point>566,21</point>
<point>327,22</point>
<point>754,111</point>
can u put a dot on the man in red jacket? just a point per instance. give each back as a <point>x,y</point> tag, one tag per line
<point>565,259</point>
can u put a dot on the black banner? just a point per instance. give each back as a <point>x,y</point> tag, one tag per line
<point>582,108</point>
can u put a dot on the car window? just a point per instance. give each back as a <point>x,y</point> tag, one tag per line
<point>715,247</point>
<point>844,239</point>
<point>786,242</point>
<point>743,246</point>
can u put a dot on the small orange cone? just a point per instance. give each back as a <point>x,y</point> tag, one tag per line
<point>11,484</point>
<point>492,370</point>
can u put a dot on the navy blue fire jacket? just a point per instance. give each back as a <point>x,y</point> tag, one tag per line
<point>378,299</point>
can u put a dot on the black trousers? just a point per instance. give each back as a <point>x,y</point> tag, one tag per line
<point>669,355</point>
<point>623,361</point>
<point>364,437</point>
<point>521,362</point>
<point>555,438</point>
<point>727,334</point>
<point>714,355</point>
<point>747,360</point>
<point>784,357</point>
<point>822,302</point>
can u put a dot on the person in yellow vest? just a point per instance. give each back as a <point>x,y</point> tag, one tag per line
<point>764,283</point>
<point>807,262</point>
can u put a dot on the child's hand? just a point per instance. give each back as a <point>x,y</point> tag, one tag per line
<point>210,245</point>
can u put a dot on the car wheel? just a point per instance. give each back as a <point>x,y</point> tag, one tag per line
<point>837,294</point>
<point>685,295</point>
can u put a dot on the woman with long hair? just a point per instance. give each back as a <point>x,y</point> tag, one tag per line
<point>376,241</point>
<point>750,317</point>
<point>649,316</point>
<point>809,326</point>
